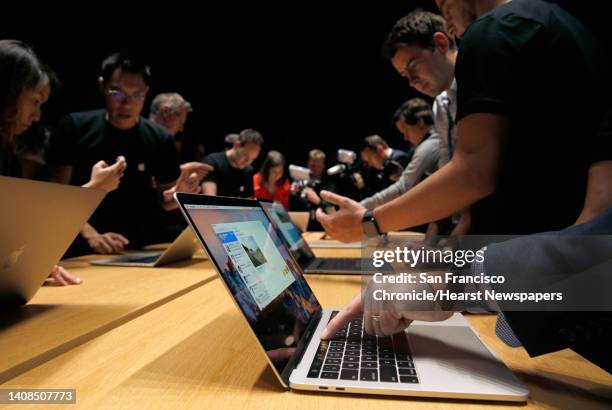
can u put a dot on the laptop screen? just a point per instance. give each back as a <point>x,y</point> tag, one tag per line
<point>290,233</point>
<point>259,272</point>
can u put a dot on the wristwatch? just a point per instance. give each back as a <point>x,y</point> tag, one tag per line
<point>370,226</point>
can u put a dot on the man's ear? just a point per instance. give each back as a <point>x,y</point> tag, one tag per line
<point>380,150</point>
<point>441,41</point>
<point>101,83</point>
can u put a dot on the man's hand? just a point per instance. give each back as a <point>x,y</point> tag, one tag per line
<point>358,181</point>
<point>189,180</point>
<point>107,177</point>
<point>61,277</point>
<point>379,317</point>
<point>312,196</point>
<point>344,225</point>
<point>107,243</point>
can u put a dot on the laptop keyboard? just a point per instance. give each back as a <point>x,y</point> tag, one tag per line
<point>145,259</point>
<point>354,355</point>
<point>349,264</point>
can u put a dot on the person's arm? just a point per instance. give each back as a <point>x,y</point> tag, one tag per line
<point>599,192</point>
<point>425,158</point>
<point>470,176</point>
<point>209,188</point>
<point>188,181</point>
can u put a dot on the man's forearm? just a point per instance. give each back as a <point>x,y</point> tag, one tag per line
<point>88,231</point>
<point>449,190</point>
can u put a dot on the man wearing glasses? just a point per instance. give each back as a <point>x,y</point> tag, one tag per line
<point>129,216</point>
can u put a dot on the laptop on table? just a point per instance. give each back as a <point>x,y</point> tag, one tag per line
<point>183,247</point>
<point>443,360</point>
<point>39,222</point>
<point>300,249</point>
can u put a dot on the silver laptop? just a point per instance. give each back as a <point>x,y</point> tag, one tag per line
<point>183,247</point>
<point>441,360</point>
<point>300,249</point>
<point>39,221</point>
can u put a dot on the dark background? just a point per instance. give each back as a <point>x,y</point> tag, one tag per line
<point>306,75</point>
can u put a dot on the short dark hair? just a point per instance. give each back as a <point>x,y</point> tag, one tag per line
<point>229,140</point>
<point>250,136</point>
<point>127,63</point>
<point>20,69</point>
<point>373,142</point>
<point>273,159</point>
<point>415,29</point>
<point>412,110</point>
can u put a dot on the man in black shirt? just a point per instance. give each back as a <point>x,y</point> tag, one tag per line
<point>384,164</point>
<point>532,88</point>
<point>233,173</point>
<point>533,152</point>
<point>129,215</point>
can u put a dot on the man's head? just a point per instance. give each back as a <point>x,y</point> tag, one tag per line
<point>246,149</point>
<point>316,163</point>
<point>125,83</point>
<point>229,140</point>
<point>414,120</point>
<point>374,151</point>
<point>459,14</point>
<point>421,50</point>
<point>170,111</point>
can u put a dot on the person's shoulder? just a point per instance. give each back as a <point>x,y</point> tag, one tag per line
<point>214,158</point>
<point>398,154</point>
<point>154,131</point>
<point>85,118</point>
<point>511,16</point>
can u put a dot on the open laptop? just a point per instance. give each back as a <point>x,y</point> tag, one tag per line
<point>39,222</point>
<point>300,220</point>
<point>183,247</point>
<point>301,250</point>
<point>444,359</point>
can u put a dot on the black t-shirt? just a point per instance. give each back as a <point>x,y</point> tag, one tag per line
<point>539,67</point>
<point>133,209</point>
<point>230,181</point>
<point>9,163</point>
<point>376,180</point>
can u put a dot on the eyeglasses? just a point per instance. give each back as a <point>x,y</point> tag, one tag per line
<point>119,95</point>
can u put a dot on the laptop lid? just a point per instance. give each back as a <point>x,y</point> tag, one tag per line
<point>258,270</point>
<point>290,234</point>
<point>39,221</point>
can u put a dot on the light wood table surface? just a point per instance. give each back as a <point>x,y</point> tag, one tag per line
<point>197,352</point>
<point>59,318</point>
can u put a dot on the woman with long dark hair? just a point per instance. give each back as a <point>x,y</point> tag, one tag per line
<point>271,182</point>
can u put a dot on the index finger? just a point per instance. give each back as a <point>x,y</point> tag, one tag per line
<point>333,198</point>
<point>353,309</point>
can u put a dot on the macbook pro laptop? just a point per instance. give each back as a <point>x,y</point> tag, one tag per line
<point>301,250</point>
<point>39,222</point>
<point>183,247</point>
<point>441,360</point>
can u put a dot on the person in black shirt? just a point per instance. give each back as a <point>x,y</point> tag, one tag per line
<point>532,90</point>
<point>533,151</point>
<point>383,164</point>
<point>233,173</point>
<point>129,216</point>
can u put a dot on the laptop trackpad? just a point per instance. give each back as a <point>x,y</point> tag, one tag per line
<point>459,350</point>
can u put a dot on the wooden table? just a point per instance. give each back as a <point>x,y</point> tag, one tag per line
<point>59,318</point>
<point>195,351</point>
